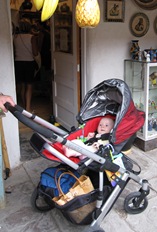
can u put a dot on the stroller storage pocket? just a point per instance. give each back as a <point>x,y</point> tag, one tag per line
<point>41,198</point>
<point>80,210</point>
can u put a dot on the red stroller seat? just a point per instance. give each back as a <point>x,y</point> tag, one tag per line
<point>90,126</point>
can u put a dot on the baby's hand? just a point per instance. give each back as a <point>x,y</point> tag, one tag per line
<point>90,135</point>
<point>96,145</point>
<point>98,136</point>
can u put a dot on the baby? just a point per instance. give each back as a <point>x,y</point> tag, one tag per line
<point>94,139</point>
<point>104,127</point>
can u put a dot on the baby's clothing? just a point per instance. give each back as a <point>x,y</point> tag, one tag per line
<point>101,138</point>
<point>93,148</point>
<point>69,152</point>
<point>94,139</point>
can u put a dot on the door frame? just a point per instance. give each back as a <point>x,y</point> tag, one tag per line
<point>77,52</point>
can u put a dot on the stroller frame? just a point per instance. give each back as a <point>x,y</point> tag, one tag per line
<point>48,133</point>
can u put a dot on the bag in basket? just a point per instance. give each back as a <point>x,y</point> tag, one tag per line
<point>82,186</point>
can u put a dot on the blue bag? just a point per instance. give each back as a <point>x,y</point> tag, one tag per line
<point>47,179</point>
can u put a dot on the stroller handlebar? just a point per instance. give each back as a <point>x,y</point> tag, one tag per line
<point>17,112</point>
<point>19,108</point>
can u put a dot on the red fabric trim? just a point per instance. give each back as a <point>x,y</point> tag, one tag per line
<point>130,124</point>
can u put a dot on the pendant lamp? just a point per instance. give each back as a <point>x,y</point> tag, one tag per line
<point>87,13</point>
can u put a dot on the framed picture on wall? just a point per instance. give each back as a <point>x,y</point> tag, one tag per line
<point>147,4</point>
<point>114,10</point>
<point>155,25</point>
<point>139,24</point>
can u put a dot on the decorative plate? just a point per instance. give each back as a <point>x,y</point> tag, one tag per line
<point>155,25</point>
<point>147,4</point>
<point>139,24</point>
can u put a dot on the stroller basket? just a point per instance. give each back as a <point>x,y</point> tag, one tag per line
<point>80,210</point>
<point>109,168</point>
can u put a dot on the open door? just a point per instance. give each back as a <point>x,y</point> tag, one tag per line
<point>66,83</point>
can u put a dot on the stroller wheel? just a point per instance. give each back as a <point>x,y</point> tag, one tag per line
<point>39,202</point>
<point>131,206</point>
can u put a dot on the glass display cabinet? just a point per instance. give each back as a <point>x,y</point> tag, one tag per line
<point>141,78</point>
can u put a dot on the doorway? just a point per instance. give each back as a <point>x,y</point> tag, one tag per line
<point>64,87</point>
<point>61,96</point>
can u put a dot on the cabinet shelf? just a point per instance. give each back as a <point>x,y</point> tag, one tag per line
<point>143,89</point>
<point>135,89</point>
<point>152,87</point>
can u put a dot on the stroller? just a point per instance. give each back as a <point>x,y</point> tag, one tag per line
<point>112,97</point>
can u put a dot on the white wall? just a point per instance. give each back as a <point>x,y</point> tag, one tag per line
<point>7,83</point>
<point>109,43</point>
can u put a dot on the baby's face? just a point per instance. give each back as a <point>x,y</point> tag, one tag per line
<point>105,125</point>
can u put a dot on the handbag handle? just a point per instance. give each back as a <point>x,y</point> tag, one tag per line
<point>55,176</point>
<point>58,182</point>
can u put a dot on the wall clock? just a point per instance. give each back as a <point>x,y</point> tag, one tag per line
<point>147,4</point>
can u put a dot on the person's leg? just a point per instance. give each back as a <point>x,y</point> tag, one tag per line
<point>23,92</point>
<point>29,88</point>
<point>29,84</point>
<point>20,78</point>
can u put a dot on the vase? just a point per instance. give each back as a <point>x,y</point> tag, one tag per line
<point>134,50</point>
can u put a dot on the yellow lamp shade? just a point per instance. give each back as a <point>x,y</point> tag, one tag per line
<point>87,13</point>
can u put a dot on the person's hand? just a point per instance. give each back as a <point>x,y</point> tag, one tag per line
<point>90,135</point>
<point>3,100</point>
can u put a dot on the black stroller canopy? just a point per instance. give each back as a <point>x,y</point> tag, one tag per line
<point>113,96</point>
<point>110,96</point>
